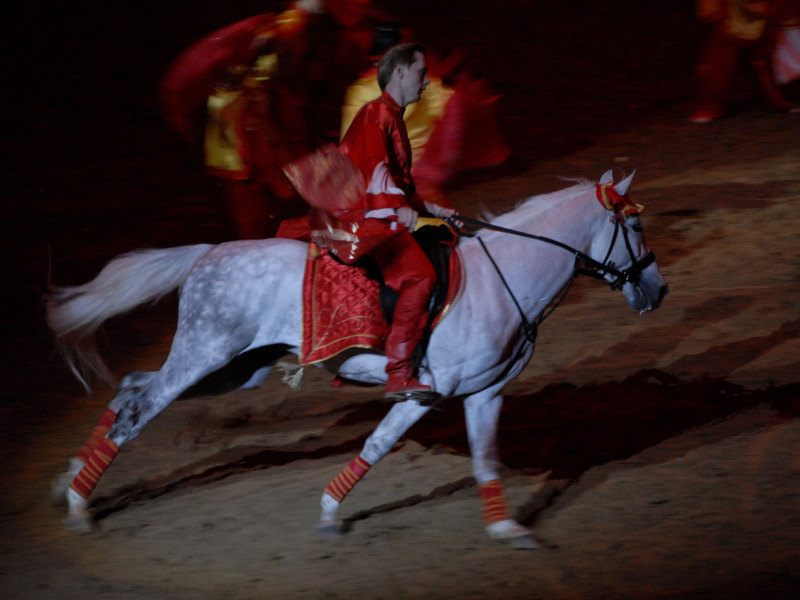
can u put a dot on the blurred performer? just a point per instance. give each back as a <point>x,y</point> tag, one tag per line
<point>253,80</point>
<point>734,27</point>
<point>377,144</point>
<point>786,53</point>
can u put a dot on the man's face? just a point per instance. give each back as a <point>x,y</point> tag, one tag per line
<point>415,79</point>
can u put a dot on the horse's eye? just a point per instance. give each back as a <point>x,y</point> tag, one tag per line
<point>637,228</point>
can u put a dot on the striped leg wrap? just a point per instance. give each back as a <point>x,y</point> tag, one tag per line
<point>100,431</point>
<point>493,498</point>
<point>98,462</point>
<point>347,478</point>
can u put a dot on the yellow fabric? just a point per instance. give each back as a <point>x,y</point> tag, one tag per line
<point>221,148</point>
<point>420,117</point>
<point>747,19</point>
<point>264,67</point>
<point>221,143</point>
<point>744,19</point>
<point>222,152</point>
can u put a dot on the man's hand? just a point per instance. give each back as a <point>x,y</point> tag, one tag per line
<point>442,212</point>
<point>407,216</point>
<point>438,211</point>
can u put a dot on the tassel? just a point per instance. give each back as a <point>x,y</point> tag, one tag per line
<point>292,374</point>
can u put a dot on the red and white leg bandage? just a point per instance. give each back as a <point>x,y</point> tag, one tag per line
<point>98,434</point>
<point>347,478</point>
<point>95,465</point>
<point>493,499</point>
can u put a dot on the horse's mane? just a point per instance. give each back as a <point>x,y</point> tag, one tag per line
<point>535,205</point>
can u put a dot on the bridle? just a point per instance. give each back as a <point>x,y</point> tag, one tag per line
<point>584,264</point>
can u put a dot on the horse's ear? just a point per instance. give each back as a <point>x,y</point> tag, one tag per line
<point>608,177</point>
<point>623,186</point>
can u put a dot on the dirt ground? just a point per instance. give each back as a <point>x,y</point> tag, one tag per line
<point>655,456</point>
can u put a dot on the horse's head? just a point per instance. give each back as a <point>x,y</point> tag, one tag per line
<point>620,247</point>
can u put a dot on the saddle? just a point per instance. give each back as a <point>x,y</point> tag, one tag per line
<point>348,306</point>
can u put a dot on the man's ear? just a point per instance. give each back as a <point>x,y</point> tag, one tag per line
<point>400,71</point>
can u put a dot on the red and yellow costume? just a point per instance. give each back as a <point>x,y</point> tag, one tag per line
<point>258,124</point>
<point>735,26</point>
<point>251,83</point>
<point>377,144</point>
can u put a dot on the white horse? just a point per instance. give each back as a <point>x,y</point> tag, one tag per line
<point>239,296</point>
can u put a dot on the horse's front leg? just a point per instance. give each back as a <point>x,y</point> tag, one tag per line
<point>482,415</point>
<point>402,416</point>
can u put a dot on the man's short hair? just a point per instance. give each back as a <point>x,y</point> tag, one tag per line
<point>402,54</point>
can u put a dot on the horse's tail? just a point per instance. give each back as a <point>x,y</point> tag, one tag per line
<point>74,313</point>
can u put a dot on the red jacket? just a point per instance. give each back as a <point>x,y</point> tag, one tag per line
<point>378,135</point>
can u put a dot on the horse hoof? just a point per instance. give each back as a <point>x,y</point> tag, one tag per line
<point>330,529</point>
<point>524,542</point>
<point>78,523</point>
<point>58,491</point>
<point>515,534</point>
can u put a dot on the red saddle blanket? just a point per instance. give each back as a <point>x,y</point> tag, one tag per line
<point>342,309</point>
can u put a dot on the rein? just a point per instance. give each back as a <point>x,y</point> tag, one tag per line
<point>584,264</point>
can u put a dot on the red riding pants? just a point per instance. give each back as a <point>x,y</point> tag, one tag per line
<point>406,270</point>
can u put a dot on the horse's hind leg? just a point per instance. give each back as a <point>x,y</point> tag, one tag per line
<point>63,480</point>
<point>402,416</point>
<point>134,406</point>
<point>134,379</point>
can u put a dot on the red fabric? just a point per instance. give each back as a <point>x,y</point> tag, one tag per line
<point>349,239</point>
<point>347,478</point>
<point>466,137</point>
<point>378,134</point>
<point>190,79</point>
<point>407,270</point>
<point>295,229</point>
<point>100,431</point>
<point>341,307</point>
<point>327,180</point>
<point>348,13</point>
<point>254,212</point>
<point>95,466</point>
<point>493,499</point>
<point>608,197</point>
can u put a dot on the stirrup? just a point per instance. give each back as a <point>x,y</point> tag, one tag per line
<point>424,397</point>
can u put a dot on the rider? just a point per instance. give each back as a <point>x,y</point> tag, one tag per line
<point>377,144</point>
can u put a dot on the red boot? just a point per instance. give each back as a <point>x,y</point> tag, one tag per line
<point>408,271</point>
